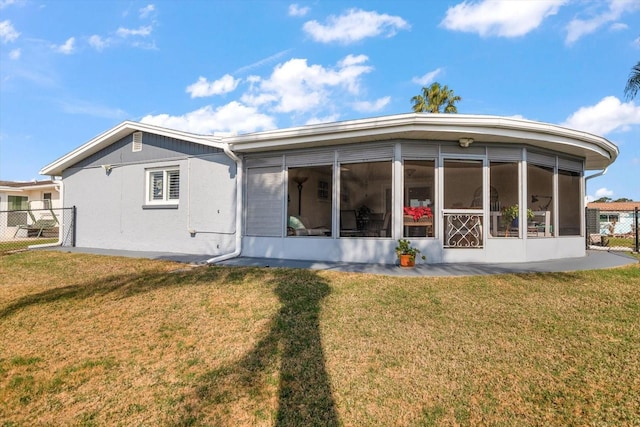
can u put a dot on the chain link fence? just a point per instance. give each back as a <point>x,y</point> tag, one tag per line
<point>613,230</point>
<point>20,229</point>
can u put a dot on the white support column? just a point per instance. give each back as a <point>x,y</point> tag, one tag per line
<point>524,195</point>
<point>398,191</point>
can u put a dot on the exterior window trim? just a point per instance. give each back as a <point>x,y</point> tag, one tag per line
<point>168,186</point>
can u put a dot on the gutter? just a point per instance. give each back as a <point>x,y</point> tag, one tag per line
<point>239,175</point>
<point>595,175</point>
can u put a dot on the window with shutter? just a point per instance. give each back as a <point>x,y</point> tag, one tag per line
<point>163,186</point>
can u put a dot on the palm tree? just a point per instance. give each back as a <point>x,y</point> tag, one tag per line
<point>433,98</point>
<point>633,84</point>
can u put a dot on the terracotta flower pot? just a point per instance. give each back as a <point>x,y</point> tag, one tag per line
<point>407,261</point>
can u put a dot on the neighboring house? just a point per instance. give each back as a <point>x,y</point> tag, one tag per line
<point>38,196</point>
<point>341,191</point>
<point>615,217</point>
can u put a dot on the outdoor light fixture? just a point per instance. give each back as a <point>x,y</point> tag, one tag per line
<point>465,142</point>
<point>107,168</point>
<point>535,198</point>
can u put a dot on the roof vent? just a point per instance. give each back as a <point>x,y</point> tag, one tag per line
<point>137,142</point>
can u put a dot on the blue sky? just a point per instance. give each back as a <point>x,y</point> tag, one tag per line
<point>70,70</point>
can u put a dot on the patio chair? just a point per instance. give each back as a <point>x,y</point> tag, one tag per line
<point>38,226</point>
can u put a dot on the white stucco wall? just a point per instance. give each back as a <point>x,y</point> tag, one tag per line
<point>382,250</point>
<point>111,213</point>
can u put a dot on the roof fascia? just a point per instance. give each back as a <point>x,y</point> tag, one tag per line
<point>433,126</point>
<point>118,132</point>
<point>27,187</point>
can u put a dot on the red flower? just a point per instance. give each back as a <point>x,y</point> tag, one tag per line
<point>418,212</point>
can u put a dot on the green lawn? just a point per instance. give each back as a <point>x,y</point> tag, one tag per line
<point>90,340</point>
<point>19,245</point>
<point>622,242</point>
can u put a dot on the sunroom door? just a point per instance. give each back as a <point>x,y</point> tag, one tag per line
<point>463,203</point>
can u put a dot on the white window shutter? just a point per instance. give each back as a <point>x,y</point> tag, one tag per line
<point>173,179</point>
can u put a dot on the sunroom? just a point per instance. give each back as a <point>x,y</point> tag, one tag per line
<point>461,188</point>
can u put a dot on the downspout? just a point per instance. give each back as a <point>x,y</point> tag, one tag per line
<point>58,188</point>
<point>239,175</point>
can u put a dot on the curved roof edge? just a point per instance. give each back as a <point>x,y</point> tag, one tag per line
<point>598,151</point>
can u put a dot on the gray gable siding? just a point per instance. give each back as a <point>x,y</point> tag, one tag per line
<point>154,148</point>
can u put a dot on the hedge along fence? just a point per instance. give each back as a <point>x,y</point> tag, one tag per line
<point>615,230</point>
<point>21,229</point>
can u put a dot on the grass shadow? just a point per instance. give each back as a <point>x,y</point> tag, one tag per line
<point>291,348</point>
<point>129,285</point>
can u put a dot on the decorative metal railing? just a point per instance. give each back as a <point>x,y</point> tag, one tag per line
<point>463,229</point>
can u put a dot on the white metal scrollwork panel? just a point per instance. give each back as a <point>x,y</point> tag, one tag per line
<point>463,230</point>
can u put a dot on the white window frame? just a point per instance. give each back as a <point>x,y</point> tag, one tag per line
<point>165,197</point>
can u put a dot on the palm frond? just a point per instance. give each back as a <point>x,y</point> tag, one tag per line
<point>433,98</point>
<point>633,84</point>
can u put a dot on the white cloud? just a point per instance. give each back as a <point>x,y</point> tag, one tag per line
<point>15,54</point>
<point>295,10</point>
<point>203,88</point>
<point>518,117</point>
<point>233,117</point>
<point>147,10</point>
<point>619,26</point>
<point>263,61</point>
<point>355,25</point>
<point>143,31</point>
<point>98,43</point>
<point>427,78</point>
<point>600,192</point>
<point>298,87</point>
<point>578,28</point>
<point>326,119</point>
<point>606,116</point>
<point>502,18</point>
<point>67,48</point>
<point>7,32</point>
<point>603,192</point>
<point>636,42</point>
<point>5,3</point>
<point>75,106</point>
<point>371,107</point>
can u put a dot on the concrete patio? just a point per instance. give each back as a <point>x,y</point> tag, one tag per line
<point>594,260</point>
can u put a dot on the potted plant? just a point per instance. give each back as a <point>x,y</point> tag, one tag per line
<point>407,253</point>
<point>510,216</point>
